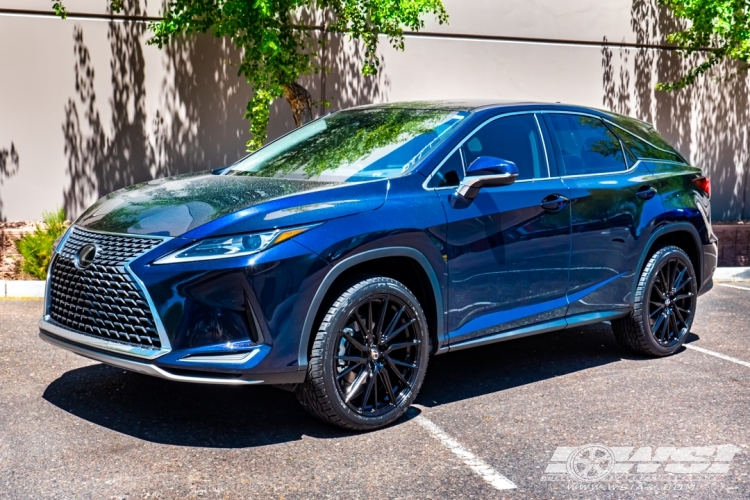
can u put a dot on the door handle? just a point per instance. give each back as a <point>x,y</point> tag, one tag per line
<point>554,202</point>
<point>646,192</point>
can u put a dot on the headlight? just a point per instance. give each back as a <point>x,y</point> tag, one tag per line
<point>231,246</point>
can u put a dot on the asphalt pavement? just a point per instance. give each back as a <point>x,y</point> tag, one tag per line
<point>512,420</point>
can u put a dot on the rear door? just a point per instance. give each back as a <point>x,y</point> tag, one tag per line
<point>612,199</point>
<point>507,253</point>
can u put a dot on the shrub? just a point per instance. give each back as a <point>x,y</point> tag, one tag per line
<point>36,248</point>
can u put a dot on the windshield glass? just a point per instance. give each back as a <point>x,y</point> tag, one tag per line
<point>353,146</point>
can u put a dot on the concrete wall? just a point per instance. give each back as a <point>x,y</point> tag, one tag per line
<point>86,107</point>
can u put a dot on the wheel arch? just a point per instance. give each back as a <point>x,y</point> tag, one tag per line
<point>373,256</point>
<point>680,234</point>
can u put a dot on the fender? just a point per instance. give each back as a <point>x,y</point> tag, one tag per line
<point>671,227</point>
<point>352,261</point>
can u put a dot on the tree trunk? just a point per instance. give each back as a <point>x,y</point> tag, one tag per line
<point>301,101</point>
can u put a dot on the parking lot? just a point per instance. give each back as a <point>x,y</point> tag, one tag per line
<point>486,419</point>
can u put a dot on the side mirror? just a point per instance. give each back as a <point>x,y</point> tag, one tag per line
<point>487,171</point>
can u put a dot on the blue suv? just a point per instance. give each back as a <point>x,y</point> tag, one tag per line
<point>337,259</point>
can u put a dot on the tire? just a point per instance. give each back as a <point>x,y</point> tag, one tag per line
<point>354,361</point>
<point>665,303</point>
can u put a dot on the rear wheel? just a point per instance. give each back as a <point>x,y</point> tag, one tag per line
<point>665,302</point>
<point>369,356</point>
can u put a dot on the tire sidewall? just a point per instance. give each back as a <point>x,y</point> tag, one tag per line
<point>657,261</point>
<point>341,312</point>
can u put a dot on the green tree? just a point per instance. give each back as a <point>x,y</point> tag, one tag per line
<point>277,46</point>
<point>719,28</point>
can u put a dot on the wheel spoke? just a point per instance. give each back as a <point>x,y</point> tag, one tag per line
<point>357,385</point>
<point>352,359</point>
<point>679,284</point>
<point>361,322</point>
<point>657,324</point>
<point>346,372</point>
<point>665,327</point>
<point>381,320</point>
<point>397,372</point>
<point>655,287</point>
<point>672,274</point>
<point>370,324</point>
<point>388,386</point>
<point>401,363</point>
<point>348,335</point>
<point>651,316</point>
<point>684,296</point>
<point>679,315</point>
<point>370,384</point>
<point>403,345</point>
<point>393,322</point>
<point>400,329</point>
<point>673,322</point>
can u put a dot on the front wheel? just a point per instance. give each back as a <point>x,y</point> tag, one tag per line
<point>369,356</point>
<point>665,302</point>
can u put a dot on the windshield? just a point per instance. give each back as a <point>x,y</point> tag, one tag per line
<point>353,146</point>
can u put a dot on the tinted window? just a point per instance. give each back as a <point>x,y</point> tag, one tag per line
<point>450,173</point>
<point>584,145</point>
<point>645,132</point>
<point>644,150</point>
<point>513,138</point>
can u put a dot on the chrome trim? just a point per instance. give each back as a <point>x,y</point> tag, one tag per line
<point>127,235</point>
<point>166,346</point>
<point>98,343</point>
<point>144,368</point>
<point>470,134</point>
<point>475,182</point>
<point>626,171</point>
<point>238,359</point>
<point>547,326</point>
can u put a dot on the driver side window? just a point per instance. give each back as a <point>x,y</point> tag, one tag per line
<point>514,138</point>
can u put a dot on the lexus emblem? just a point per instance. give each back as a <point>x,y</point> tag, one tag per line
<point>86,256</point>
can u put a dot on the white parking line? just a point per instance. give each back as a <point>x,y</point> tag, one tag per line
<point>718,355</point>
<point>734,286</point>
<point>476,464</point>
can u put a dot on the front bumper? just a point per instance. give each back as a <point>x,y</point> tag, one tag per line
<point>85,346</point>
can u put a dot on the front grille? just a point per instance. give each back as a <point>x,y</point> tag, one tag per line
<point>102,300</point>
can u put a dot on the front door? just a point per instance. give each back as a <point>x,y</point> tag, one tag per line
<point>509,248</point>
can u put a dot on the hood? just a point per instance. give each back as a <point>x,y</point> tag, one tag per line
<point>177,205</point>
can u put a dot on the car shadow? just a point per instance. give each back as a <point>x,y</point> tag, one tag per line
<point>183,414</point>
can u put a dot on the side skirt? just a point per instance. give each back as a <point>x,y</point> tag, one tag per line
<point>547,326</point>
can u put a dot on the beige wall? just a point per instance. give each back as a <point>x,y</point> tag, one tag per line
<point>138,112</point>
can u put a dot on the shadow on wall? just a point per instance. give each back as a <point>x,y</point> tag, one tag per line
<point>9,163</point>
<point>705,122</point>
<point>199,122</point>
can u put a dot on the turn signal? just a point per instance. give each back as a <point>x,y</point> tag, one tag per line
<point>704,184</point>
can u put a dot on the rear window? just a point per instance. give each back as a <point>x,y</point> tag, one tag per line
<point>644,141</point>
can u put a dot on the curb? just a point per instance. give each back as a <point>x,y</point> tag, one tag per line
<point>18,289</point>
<point>732,274</point>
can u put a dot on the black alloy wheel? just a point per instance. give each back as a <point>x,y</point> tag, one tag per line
<point>369,356</point>
<point>671,302</point>
<point>665,303</point>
